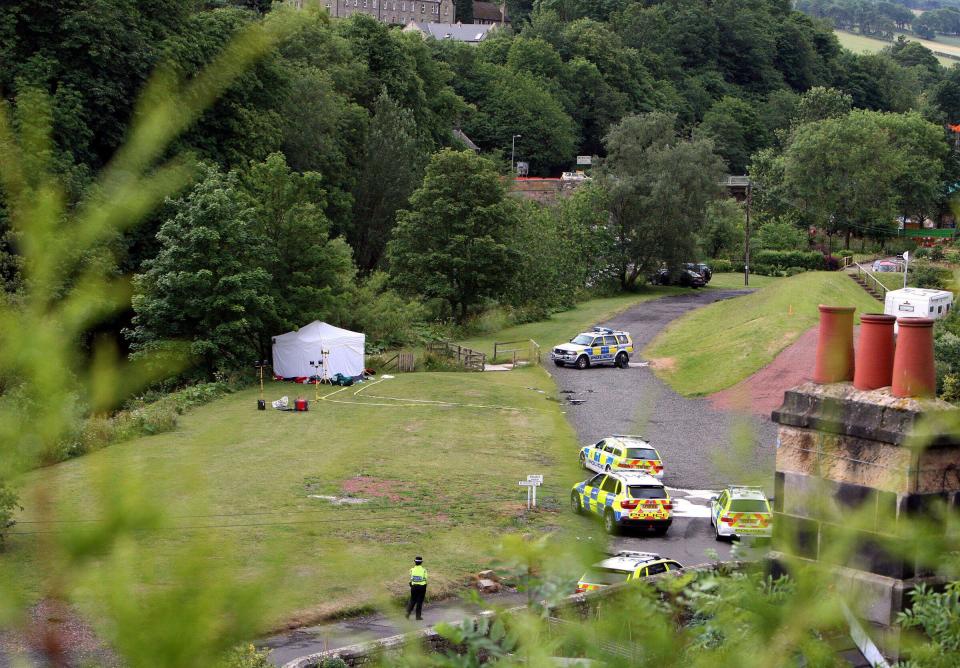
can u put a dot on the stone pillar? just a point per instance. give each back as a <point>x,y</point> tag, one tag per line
<point>842,451</point>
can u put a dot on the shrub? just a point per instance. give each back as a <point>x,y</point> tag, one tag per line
<point>937,254</point>
<point>928,276</point>
<point>9,502</point>
<point>334,662</point>
<point>719,265</point>
<point>246,656</point>
<point>831,263</point>
<point>793,271</point>
<point>921,253</point>
<point>784,259</point>
<point>845,253</point>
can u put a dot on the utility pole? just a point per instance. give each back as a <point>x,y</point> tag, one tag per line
<point>513,150</point>
<point>746,237</point>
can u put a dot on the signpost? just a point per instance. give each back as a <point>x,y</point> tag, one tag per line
<point>584,160</point>
<point>531,483</point>
<point>906,267</point>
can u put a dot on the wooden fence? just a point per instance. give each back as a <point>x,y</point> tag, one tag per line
<point>466,357</point>
<point>523,349</point>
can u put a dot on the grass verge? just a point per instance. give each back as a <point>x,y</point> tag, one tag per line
<point>561,327</point>
<point>734,281</point>
<point>719,345</point>
<point>436,485</point>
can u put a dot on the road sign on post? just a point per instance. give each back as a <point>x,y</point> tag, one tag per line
<point>531,483</point>
<point>584,160</point>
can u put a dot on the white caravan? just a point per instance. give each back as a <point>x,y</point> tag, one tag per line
<point>918,303</point>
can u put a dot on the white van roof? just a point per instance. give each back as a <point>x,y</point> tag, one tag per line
<point>919,293</point>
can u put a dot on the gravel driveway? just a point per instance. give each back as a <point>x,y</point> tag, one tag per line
<point>693,438</point>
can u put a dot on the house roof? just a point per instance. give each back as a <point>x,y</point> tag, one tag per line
<point>458,32</point>
<point>489,11</point>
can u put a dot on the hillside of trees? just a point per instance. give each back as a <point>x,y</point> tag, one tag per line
<point>315,176</point>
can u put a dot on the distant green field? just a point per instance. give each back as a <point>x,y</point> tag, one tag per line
<point>860,44</point>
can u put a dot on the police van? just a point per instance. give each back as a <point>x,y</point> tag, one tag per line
<point>600,346</point>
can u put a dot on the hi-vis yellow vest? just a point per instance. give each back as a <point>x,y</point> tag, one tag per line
<point>418,575</point>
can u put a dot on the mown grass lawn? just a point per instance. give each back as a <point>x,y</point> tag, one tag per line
<point>440,474</point>
<point>563,326</point>
<point>718,345</point>
<point>734,281</point>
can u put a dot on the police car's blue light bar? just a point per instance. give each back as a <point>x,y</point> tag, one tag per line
<point>603,330</point>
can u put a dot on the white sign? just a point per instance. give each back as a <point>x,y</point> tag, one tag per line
<point>536,478</point>
<point>584,160</point>
<point>527,483</point>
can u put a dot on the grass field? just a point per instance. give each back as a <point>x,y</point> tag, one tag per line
<point>861,44</point>
<point>719,345</point>
<point>561,327</point>
<point>734,280</point>
<point>437,483</point>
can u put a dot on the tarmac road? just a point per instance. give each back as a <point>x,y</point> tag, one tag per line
<point>703,449</point>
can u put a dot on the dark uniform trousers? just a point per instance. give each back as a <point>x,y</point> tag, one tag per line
<point>417,594</point>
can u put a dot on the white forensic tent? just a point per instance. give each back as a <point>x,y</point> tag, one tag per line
<point>293,351</point>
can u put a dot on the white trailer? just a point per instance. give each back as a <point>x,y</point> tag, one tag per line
<point>918,303</point>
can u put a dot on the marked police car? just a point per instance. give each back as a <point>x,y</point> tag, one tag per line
<point>741,511</point>
<point>601,346</point>
<point>621,452</point>
<point>623,499</point>
<point>623,567</point>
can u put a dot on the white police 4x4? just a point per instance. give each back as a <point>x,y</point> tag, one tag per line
<point>601,346</point>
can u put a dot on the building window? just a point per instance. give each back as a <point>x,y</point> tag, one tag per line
<point>423,8</point>
<point>364,4</point>
<point>403,6</point>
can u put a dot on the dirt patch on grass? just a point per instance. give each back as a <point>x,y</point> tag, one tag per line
<point>762,392</point>
<point>668,364</point>
<point>367,486</point>
<point>57,632</point>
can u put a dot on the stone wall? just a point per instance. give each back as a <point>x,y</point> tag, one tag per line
<point>853,468</point>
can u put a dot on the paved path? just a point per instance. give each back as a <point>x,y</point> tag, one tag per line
<point>703,448</point>
<point>313,639</point>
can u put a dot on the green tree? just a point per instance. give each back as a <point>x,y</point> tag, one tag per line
<point>780,234</point>
<point>737,131</point>
<point>454,242</point>
<point>659,186</point>
<point>310,274</point>
<point>206,286</point>
<point>723,229</point>
<point>820,103</point>
<point>392,166</point>
<point>842,172</point>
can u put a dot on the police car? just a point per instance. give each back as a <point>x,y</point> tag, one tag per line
<point>601,346</point>
<point>622,452</point>
<point>741,511</point>
<point>624,567</point>
<point>623,499</point>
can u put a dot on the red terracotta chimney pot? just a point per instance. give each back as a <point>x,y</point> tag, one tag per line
<point>914,373</point>
<point>874,356</point>
<point>834,345</point>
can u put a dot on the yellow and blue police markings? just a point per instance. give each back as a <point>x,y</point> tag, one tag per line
<point>624,498</point>
<point>602,345</point>
<point>625,566</point>
<point>623,453</point>
<point>741,511</point>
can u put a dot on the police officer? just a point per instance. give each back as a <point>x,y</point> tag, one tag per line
<point>418,587</point>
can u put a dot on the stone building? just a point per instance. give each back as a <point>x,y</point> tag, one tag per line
<point>396,12</point>
<point>490,13</point>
